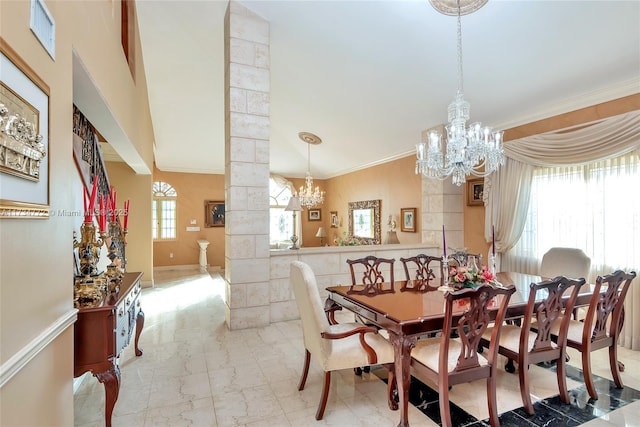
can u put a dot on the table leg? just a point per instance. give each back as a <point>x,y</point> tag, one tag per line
<point>139,326</point>
<point>111,381</point>
<point>402,346</point>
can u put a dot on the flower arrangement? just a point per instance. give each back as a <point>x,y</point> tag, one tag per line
<point>466,277</point>
<point>346,240</point>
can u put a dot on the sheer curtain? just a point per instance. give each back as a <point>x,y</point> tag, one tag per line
<point>583,193</point>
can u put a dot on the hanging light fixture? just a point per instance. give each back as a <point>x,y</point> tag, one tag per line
<point>476,150</point>
<point>309,196</point>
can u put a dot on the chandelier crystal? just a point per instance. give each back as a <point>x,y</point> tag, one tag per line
<point>308,195</point>
<point>476,150</point>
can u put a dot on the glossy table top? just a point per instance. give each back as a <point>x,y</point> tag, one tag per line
<point>411,306</point>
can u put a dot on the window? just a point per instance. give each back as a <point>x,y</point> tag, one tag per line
<point>163,211</point>
<point>280,221</point>
<point>593,207</point>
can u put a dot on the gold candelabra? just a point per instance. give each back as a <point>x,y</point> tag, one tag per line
<point>89,287</point>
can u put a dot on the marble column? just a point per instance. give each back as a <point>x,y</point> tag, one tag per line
<point>247,80</point>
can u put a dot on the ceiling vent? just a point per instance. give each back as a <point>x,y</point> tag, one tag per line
<point>43,26</point>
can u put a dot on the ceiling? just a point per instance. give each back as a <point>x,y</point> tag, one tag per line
<point>369,76</point>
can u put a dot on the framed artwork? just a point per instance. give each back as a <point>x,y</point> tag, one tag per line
<point>213,214</point>
<point>24,139</point>
<point>408,220</point>
<point>334,219</point>
<point>314,214</point>
<point>475,190</point>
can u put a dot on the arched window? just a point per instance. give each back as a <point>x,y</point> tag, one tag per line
<point>280,221</point>
<point>163,211</point>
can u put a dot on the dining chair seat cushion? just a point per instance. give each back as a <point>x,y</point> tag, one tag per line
<point>510,338</point>
<point>345,353</point>
<point>427,352</point>
<point>574,330</point>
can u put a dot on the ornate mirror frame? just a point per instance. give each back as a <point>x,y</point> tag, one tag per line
<point>374,206</point>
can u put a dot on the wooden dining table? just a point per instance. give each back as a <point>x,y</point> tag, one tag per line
<point>408,315</point>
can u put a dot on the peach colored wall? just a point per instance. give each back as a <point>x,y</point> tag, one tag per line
<point>36,267</point>
<point>193,189</point>
<point>394,183</point>
<point>137,189</point>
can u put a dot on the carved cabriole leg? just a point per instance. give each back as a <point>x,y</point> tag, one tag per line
<point>402,346</point>
<point>111,381</point>
<point>139,326</point>
<point>391,386</point>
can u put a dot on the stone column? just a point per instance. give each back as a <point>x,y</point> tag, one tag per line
<point>247,87</point>
<point>442,203</point>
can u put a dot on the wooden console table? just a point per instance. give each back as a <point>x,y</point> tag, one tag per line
<point>102,332</point>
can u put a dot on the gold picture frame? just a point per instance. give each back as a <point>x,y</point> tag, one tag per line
<point>408,220</point>
<point>24,194</point>
<point>314,214</point>
<point>214,213</point>
<point>475,190</point>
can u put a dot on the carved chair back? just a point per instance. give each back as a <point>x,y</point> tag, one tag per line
<point>424,278</point>
<point>371,271</point>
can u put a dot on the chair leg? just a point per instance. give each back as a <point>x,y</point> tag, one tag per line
<point>523,375</point>
<point>562,378</point>
<point>491,401</point>
<point>586,371</point>
<point>445,412</point>
<point>615,365</point>
<point>305,370</point>
<point>325,394</point>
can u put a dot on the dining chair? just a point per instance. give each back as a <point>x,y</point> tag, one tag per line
<point>527,346</point>
<point>335,346</point>
<point>568,262</point>
<point>447,362</point>
<point>601,326</point>
<point>372,271</point>
<point>424,274</point>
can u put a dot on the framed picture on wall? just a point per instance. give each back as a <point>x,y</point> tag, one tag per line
<point>475,190</point>
<point>408,220</point>
<point>213,214</point>
<point>334,219</point>
<point>314,214</point>
<point>24,140</point>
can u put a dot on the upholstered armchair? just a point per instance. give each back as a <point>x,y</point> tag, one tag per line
<point>335,346</point>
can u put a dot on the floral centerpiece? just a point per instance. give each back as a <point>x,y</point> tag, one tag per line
<point>466,277</point>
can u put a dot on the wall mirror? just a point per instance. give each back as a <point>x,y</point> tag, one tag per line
<point>364,221</point>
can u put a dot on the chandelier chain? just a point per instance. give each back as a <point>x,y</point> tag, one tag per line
<point>459,58</point>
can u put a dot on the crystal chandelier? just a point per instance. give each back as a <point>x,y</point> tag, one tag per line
<point>476,150</point>
<point>309,196</point>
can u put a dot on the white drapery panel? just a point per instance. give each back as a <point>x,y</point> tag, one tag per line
<point>507,194</point>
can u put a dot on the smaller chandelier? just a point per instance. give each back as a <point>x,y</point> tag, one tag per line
<point>309,196</point>
<point>476,150</point>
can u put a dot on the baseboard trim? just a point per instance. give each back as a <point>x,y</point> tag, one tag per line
<point>19,360</point>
